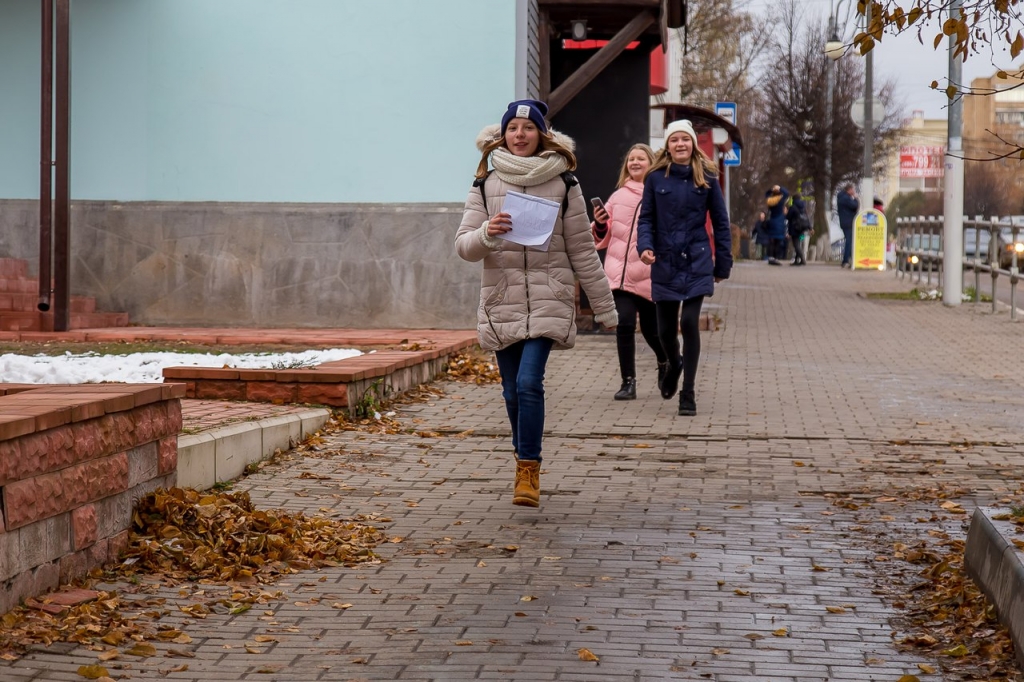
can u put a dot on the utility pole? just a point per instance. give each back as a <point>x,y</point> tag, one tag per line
<point>867,183</point>
<point>953,190</point>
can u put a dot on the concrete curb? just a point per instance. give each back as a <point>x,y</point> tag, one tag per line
<point>223,453</point>
<point>995,565</point>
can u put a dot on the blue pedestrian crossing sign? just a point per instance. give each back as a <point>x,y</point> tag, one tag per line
<point>733,156</point>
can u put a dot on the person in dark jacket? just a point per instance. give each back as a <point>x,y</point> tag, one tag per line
<point>797,223</point>
<point>776,199</point>
<point>847,206</point>
<point>760,235</point>
<point>687,257</point>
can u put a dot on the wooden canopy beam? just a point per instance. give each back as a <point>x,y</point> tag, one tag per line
<point>597,63</point>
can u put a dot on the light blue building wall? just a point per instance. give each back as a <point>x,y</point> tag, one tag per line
<point>263,100</point>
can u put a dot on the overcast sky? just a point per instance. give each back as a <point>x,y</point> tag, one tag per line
<point>902,58</point>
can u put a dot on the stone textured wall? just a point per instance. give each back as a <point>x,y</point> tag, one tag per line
<point>267,265</point>
<point>71,467</point>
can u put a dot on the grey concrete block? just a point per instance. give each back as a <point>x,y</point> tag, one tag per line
<point>280,433</point>
<point>9,552</point>
<point>114,514</point>
<point>237,446</point>
<point>143,463</point>
<point>995,565</point>
<point>197,461</point>
<point>312,420</point>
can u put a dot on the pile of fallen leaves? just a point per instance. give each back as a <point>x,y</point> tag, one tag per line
<point>472,367</point>
<point>951,616</point>
<point>184,534</point>
<point>944,613</point>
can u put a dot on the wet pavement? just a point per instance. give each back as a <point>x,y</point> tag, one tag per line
<point>671,548</point>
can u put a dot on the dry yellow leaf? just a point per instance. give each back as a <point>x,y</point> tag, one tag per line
<point>587,655</point>
<point>719,651</point>
<point>835,609</point>
<point>909,678</point>
<point>527,598</point>
<point>109,655</point>
<point>92,672</point>
<point>265,638</point>
<point>338,605</point>
<point>742,593</point>
<point>927,669</point>
<point>781,632</point>
<point>142,650</point>
<point>463,642</point>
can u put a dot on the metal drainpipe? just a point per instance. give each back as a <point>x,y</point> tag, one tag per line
<point>46,159</point>
<point>62,203</point>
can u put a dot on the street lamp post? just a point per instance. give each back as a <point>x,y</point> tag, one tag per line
<point>834,49</point>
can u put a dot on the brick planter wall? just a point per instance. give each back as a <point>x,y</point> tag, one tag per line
<point>73,460</point>
<point>342,383</point>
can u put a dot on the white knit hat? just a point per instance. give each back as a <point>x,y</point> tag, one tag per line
<point>680,126</point>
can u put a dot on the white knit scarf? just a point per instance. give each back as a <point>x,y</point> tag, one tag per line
<point>527,171</point>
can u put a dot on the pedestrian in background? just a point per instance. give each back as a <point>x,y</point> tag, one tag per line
<point>797,225</point>
<point>528,296</point>
<point>630,278</point>
<point>686,258</point>
<point>776,199</point>
<point>760,236</point>
<point>847,205</point>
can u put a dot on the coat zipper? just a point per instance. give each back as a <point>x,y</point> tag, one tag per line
<point>526,281</point>
<point>629,241</point>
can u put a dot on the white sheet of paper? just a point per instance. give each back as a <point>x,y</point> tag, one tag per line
<point>533,219</point>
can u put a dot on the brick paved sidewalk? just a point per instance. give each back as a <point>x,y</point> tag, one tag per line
<point>673,548</point>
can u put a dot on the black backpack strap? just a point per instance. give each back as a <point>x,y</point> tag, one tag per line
<point>479,183</point>
<point>570,181</point>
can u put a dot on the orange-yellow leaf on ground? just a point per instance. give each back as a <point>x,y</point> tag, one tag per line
<point>909,678</point>
<point>718,651</point>
<point>927,669</point>
<point>753,636</point>
<point>142,650</point>
<point>265,638</point>
<point>463,642</point>
<point>742,593</point>
<point>958,651</point>
<point>587,655</point>
<point>781,632</point>
<point>527,597</point>
<point>835,609</point>
<point>520,614</point>
<point>798,463</point>
<point>339,605</point>
<point>92,672</point>
<point>109,655</point>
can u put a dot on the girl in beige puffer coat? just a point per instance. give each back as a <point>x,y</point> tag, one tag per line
<point>528,295</point>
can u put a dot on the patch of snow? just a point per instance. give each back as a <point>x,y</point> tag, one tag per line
<point>145,368</point>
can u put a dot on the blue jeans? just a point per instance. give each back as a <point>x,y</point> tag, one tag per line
<point>522,380</point>
<point>848,246</point>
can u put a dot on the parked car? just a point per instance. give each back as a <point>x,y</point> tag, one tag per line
<point>978,241</point>
<point>927,245</point>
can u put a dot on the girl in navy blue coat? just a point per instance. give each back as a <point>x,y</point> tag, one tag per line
<point>687,257</point>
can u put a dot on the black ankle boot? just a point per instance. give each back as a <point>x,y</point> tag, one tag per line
<point>662,370</point>
<point>687,403</point>
<point>628,389</point>
<point>670,384</point>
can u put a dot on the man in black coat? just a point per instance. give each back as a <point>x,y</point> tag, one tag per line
<point>847,206</point>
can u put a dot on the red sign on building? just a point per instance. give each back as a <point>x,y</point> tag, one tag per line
<point>921,161</point>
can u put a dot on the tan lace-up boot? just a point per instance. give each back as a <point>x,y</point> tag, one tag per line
<point>527,491</point>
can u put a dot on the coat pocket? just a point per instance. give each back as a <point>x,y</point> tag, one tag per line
<point>701,262</point>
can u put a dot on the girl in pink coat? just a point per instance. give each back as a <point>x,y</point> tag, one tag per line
<point>630,279</point>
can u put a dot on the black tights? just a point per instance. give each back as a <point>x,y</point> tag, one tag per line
<point>669,325</point>
<point>629,306</point>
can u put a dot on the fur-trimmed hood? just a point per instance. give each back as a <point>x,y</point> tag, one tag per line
<point>493,132</point>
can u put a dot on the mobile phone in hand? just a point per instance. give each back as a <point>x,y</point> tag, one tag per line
<point>597,203</point>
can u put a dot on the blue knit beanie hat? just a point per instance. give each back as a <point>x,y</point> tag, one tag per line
<point>526,108</point>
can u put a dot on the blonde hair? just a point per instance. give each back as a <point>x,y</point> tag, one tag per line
<point>624,171</point>
<point>701,171</point>
<point>548,143</point>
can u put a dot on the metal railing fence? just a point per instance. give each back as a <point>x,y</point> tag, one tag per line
<point>919,252</point>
